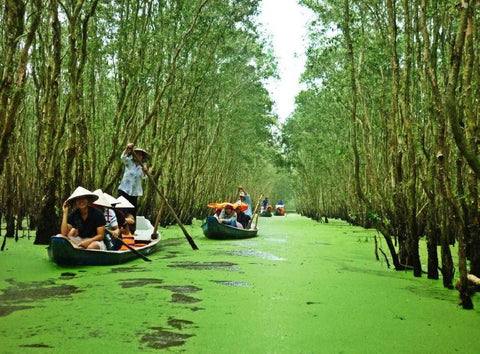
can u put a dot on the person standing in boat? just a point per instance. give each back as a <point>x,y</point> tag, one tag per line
<point>264,205</point>
<point>85,226</point>
<point>131,184</point>
<point>245,198</point>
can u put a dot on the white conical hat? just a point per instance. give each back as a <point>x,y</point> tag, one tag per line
<point>145,154</point>
<point>123,203</point>
<point>101,201</point>
<point>81,192</point>
<point>113,201</point>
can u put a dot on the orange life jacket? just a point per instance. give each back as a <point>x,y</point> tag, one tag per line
<point>129,240</point>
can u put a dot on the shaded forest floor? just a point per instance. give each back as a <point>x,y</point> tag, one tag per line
<point>300,287</point>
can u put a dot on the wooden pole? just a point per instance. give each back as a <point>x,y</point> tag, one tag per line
<point>255,213</point>
<point>187,236</point>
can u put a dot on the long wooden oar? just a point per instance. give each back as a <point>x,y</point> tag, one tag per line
<point>255,212</point>
<point>187,236</point>
<point>131,248</point>
<point>157,221</point>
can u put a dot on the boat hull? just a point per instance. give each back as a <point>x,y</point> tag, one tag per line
<point>62,252</point>
<point>214,230</point>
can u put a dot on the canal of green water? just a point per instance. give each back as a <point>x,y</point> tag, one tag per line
<point>299,287</point>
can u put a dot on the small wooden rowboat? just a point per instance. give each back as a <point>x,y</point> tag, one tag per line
<point>214,230</point>
<point>62,252</point>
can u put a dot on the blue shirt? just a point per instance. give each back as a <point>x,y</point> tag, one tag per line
<point>132,177</point>
<point>247,201</point>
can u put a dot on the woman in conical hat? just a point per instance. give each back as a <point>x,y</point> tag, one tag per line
<point>85,226</point>
<point>131,184</point>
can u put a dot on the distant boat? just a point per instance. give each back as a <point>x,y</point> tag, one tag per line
<point>62,252</point>
<point>214,230</point>
<point>279,210</point>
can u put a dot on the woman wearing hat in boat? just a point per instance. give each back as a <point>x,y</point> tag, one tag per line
<point>227,215</point>
<point>131,185</point>
<point>85,226</point>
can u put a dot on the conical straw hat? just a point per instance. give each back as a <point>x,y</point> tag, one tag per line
<point>81,192</point>
<point>113,201</point>
<point>145,154</point>
<point>123,203</point>
<point>102,200</point>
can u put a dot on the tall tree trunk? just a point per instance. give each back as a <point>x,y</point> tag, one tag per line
<point>14,66</point>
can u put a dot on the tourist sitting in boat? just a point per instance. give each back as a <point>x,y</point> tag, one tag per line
<point>111,226</point>
<point>227,215</point>
<point>85,226</point>
<point>217,208</point>
<point>242,218</point>
<point>125,221</point>
<point>280,208</point>
<point>267,211</point>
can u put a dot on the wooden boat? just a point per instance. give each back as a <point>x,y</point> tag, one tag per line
<point>279,211</point>
<point>266,213</point>
<point>214,230</point>
<point>62,252</point>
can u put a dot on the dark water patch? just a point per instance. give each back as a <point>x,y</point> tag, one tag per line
<point>139,282</point>
<point>431,293</point>
<point>26,292</point>
<point>232,283</point>
<point>205,265</point>
<point>255,253</point>
<point>162,339</point>
<point>40,345</point>
<point>7,310</point>
<point>196,308</point>
<point>179,324</point>
<point>67,276</point>
<point>180,288</point>
<point>127,269</point>
<point>184,299</point>
<point>314,303</point>
<point>170,255</point>
<point>322,243</point>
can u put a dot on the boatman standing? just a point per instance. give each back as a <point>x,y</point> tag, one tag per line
<point>245,198</point>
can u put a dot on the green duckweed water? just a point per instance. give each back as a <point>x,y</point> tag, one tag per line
<point>300,287</point>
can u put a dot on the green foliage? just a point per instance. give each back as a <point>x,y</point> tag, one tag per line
<point>183,80</point>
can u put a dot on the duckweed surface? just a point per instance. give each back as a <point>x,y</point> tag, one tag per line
<point>299,287</point>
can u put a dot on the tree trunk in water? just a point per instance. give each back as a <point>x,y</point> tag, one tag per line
<point>47,223</point>
<point>448,269</point>
<point>432,242</point>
